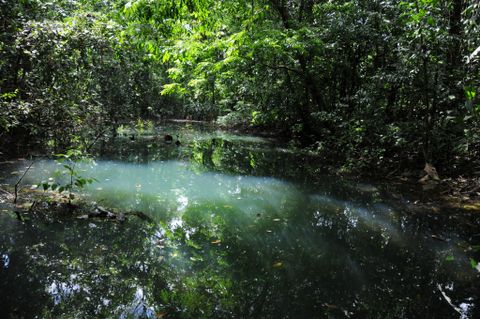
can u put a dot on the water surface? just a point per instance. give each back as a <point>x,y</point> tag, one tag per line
<point>243,228</point>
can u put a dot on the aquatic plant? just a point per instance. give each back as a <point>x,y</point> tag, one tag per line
<point>69,178</point>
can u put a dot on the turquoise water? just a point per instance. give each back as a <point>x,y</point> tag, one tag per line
<point>242,228</point>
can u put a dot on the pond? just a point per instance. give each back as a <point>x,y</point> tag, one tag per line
<point>243,227</point>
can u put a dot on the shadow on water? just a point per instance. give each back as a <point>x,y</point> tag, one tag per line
<point>239,232</point>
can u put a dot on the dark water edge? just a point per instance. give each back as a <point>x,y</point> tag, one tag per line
<point>244,228</point>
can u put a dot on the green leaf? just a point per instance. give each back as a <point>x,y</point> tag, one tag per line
<point>473,263</point>
<point>431,21</point>
<point>172,88</point>
<point>469,93</point>
<point>166,57</point>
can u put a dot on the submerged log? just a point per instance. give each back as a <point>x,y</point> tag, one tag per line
<point>101,212</point>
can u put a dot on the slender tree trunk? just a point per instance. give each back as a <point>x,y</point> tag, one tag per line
<point>426,101</point>
<point>455,56</point>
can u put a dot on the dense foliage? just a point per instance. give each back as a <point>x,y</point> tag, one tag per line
<point>366,82</point>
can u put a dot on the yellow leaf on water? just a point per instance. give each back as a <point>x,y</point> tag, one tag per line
<point>472,206</point>
<point>330,306</point>
<point>26,205</point>
<point>278,264</point>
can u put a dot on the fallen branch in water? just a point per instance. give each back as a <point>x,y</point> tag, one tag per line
<point>449,301</point>
<point>6,193</point>
<point>19,181</point>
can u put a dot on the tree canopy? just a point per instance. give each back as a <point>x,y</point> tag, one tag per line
<point>367,82</point>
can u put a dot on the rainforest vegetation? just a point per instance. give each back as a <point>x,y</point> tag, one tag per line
<point>366,83</point>
<point>239,159</point>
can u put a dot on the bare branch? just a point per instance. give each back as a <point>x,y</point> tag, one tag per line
<point>473,55</point>
<point>19,181</point>
<point>281,67</point>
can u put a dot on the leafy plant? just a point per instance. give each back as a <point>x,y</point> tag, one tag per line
<point>72,180</point>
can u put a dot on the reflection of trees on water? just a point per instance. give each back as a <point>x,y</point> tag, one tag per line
<point>210,152</point>
<point>74,269</point>
<point>313,258</point>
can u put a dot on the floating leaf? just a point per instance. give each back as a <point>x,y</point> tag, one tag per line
<point>471,207</point>
<point>27,205</point>
<point>278,264</point>
<point>436,237</point>
<point>330,306</point>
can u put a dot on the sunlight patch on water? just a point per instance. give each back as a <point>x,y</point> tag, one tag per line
<point>5,259</point>
<point>375,219</point>
<point>62,290</point>
<point>138,307</point>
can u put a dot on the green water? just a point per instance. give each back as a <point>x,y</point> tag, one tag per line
<point>243,228</point>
